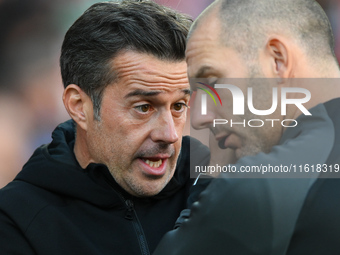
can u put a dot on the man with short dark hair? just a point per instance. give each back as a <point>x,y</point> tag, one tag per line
<point>116,176</point>
<point>243,47</point>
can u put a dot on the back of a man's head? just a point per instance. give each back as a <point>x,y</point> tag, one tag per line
<point>247,23</point>
<point>107,29</point>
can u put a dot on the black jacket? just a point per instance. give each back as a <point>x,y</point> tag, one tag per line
<point>55,207</point>
<point>294,216</point>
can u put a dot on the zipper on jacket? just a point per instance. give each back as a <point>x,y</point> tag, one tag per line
<point>132,216</point>
<point>129,211</point>
<point>138,228</point>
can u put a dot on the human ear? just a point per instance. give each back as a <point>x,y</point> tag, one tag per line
<point>77,104</point>
<point>278,50</point>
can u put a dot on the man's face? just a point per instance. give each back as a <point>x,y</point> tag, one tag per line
<point>139,134</point>
<point>208,58</point>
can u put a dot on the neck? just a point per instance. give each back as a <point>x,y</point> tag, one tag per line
<point>321,80</point>
<point>80,149</point>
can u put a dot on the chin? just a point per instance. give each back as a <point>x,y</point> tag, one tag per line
<point>148,193</point>
<point>150,190</point>
<point>148,186</point>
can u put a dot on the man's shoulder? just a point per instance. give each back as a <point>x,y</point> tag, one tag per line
<point>16,189</point>
<point>193,152</point>
<point>21,201</point>
<point>189,140</point>
<point>192,146</point>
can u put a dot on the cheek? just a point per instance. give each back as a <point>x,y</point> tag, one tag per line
<point>180,124</point>
<point>269,137</point>
<point>99,138</point>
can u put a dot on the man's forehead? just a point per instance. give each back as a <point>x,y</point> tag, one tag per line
<point>206,26</point>
<point>145,62</point>
<point>201,50</point>
<point>134,66</point>
<point>206,34</point>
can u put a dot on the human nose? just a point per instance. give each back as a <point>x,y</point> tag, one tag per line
<point>165,129</point>
<point>201,114</point>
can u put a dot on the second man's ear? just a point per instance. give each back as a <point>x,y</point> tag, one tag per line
<point>78,105</point>
<point>281,57</point>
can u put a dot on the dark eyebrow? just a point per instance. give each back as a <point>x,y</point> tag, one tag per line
<point>186,91</point>
<point>140,92</point>
<point>144,93</point>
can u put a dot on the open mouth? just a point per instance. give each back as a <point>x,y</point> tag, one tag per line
<point>153,163</point>
<point>154,166</point>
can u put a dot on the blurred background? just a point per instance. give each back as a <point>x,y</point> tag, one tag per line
<point>30,83</point>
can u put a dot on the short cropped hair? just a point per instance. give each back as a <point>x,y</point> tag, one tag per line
<point>108,28</point>
<point>245,24</point>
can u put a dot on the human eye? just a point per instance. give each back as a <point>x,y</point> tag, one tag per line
<point>180,107</point>
<point>144,108</point>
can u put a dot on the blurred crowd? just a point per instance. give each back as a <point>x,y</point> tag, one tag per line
<point>30,83</point>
